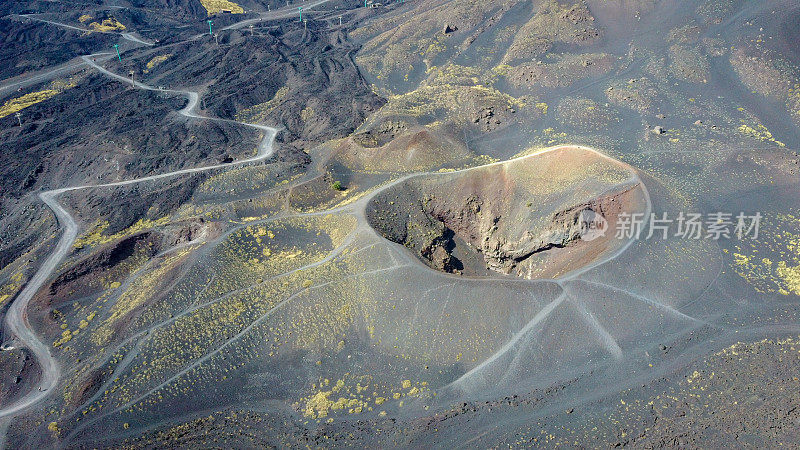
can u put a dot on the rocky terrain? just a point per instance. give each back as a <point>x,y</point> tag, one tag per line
<point>496,219</point>
<point>398,224</point>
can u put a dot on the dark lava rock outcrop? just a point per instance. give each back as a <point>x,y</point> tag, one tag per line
<point>20,373</point>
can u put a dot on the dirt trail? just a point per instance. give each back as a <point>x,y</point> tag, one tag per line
<point>16,319</point>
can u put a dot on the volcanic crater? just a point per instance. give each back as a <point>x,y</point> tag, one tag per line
<point>538,216</point>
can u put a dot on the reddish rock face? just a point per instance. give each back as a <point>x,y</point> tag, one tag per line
<point>513,218</point>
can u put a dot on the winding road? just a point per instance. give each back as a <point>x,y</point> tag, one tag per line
<point>16,320</point>
<point>125,35</point>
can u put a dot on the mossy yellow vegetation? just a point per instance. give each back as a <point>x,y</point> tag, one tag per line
<point>260,112</point>
<point>138,293</point>
<point>156,60</point>
<point>453,89</point>
<point>320,404</point>
<point>68,334</point>
<point>18,104</point>
<point>109,24</point>
<point>453,74</point>
<point>198,318</point>
<point>328,398</point>
<point>760,132</point>
<point>85,18</point>
<point>95,235</point>
<point>259,251</point>
<point>414,149</point>
<point>244,179</point>
<point>11,288</point>
<point>454,100</point>
<point>307,113</point>
<point>772,262</point>
<point>217,6</point>
<point>541,106</point>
